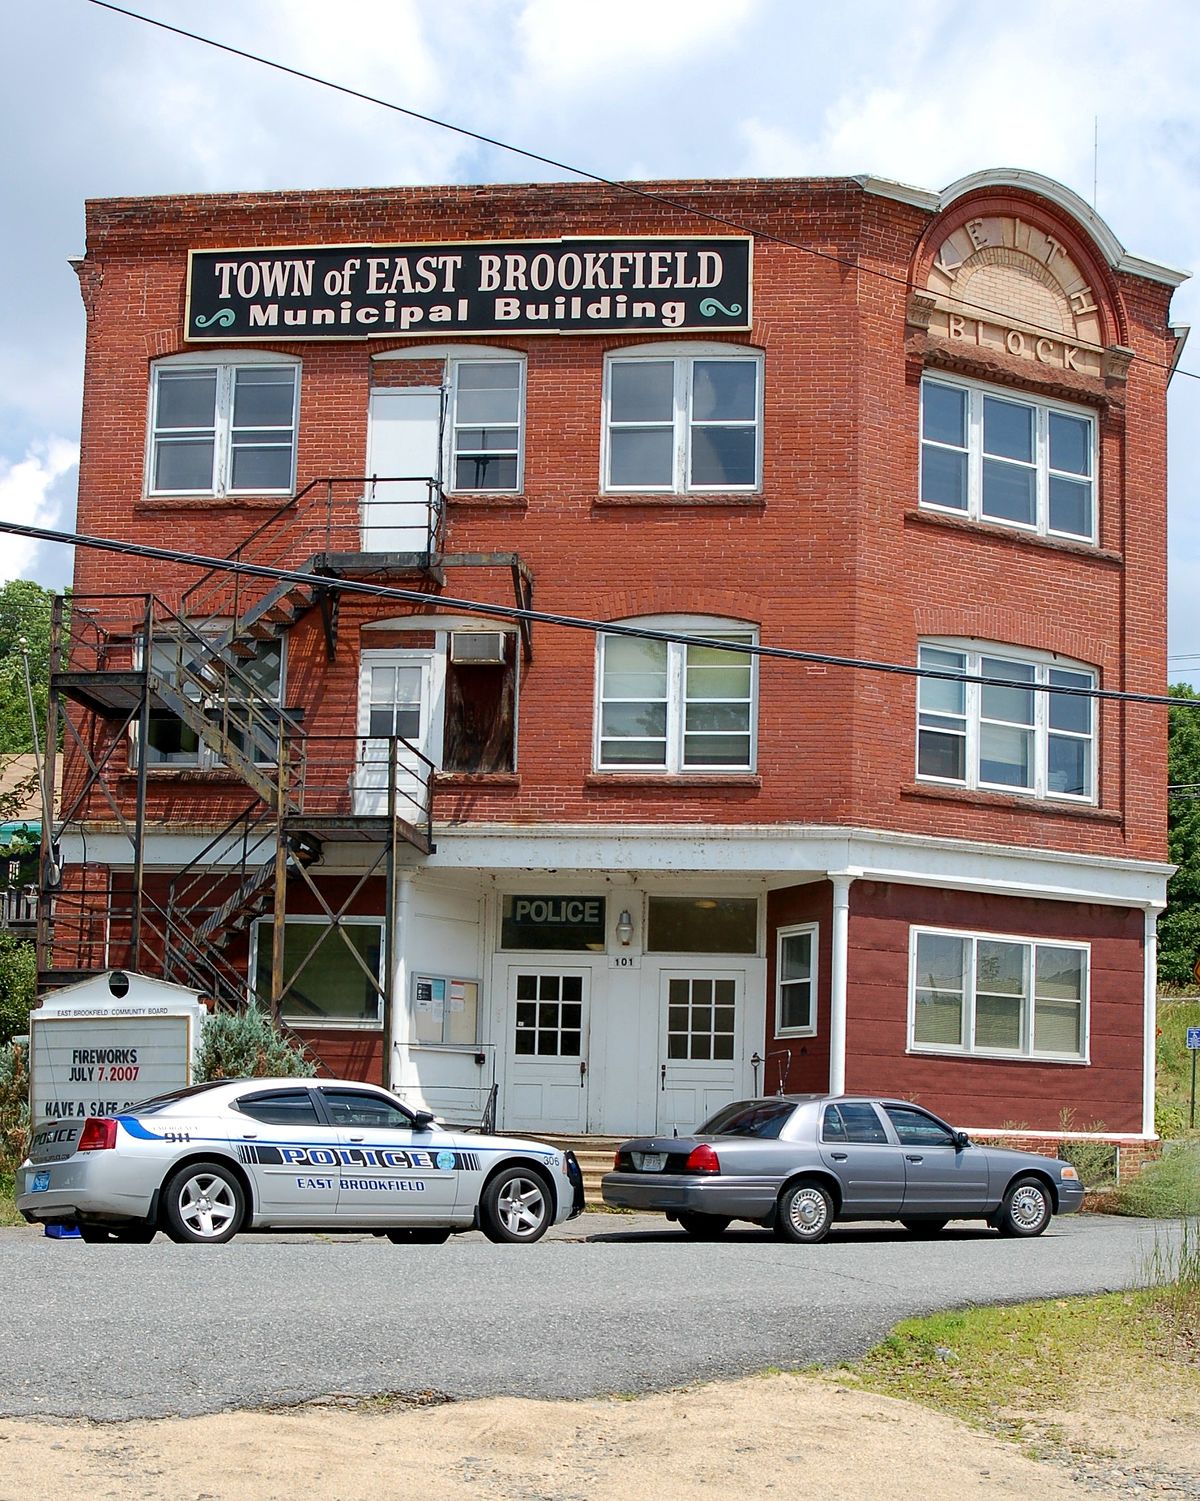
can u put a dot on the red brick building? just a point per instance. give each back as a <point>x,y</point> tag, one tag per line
<point>625,877</point>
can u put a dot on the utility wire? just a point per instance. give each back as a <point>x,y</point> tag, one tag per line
<point>596,177</point>
<point>450,603</point>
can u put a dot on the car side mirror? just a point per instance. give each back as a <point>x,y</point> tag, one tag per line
<point>961,1140</point>
<point>423,1119</point>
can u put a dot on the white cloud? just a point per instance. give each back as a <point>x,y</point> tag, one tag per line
<point>26,498</point>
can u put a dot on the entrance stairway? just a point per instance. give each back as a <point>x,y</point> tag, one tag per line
<point>595,1154</point>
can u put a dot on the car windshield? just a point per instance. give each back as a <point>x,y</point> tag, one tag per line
<point>758,1118</point>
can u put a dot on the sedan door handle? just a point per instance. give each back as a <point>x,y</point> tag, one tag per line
<point>913,1157</point>
<point>249,1135</point>
<point>839,1156</point>
<point>358,1138</point>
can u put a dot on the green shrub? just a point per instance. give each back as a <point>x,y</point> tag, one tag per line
<point>18,985</point>
<point>14,1105</point>
<point>247,1045</point>
<point>1168,1188</point>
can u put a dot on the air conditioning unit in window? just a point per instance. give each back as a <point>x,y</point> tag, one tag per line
<point>477,647</point>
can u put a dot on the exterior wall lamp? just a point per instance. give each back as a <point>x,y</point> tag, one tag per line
<point>625,927</point>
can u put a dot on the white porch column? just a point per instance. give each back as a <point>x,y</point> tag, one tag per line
<point>1150,1016</point>
<point>396,1045</point>
<point>837,981</point>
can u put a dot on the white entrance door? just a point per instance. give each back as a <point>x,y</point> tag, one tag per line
<point>403,449</point>
<point>547,1070</point>
<point>700,1040</point>
<point>398,696</point>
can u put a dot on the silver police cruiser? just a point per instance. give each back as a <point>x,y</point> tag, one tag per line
<point>290,1154</point>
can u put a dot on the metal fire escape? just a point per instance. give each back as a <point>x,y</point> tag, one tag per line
<point>121,663</point>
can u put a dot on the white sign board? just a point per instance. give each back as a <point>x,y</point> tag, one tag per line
<point>81,1066</point>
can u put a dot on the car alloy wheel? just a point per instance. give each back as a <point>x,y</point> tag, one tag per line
<point>204,1203</point>
<point>515,1207</point>
<point>1025,1210</point>
<point>805,1213</point>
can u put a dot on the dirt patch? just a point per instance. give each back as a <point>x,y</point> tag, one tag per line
<point>778,1434</point>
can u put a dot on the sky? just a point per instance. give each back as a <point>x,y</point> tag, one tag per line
<point>96,104</point>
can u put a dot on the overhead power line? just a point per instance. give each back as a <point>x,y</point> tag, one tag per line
<point>450,603</point>
<point>596,177</point>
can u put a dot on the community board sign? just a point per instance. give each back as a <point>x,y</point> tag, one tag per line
<point>670,284</point>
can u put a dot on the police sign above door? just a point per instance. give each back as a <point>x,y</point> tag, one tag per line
<point>553,922</point>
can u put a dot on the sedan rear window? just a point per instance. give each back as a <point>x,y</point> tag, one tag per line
<point>759,1119</point>
<point>852,1121</point>
<point>281,1107</point>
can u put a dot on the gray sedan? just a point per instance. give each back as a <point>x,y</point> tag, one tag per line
<point>797,1163</point>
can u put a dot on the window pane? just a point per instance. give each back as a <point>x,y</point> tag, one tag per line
<point>484,473</point>
<point>942,695</point>
<point>731,718</point>
<point>944,478</point>
<point>1070,713</point>
<point>480,408</point>
<point>1059,973</point>
<point>795,957</point>
<point>724,390</point>
<point>331,986</point>
<point>261,469</point>
<point>638,720</point>
<point>702,925</point>
<point>1058,1027</point>
<point>940,958</point>
<point>1007,430</point>
<point>489,375</point>
<point>1070,444</point>
<point>862,1123</point>
<point>795,1005</point>
<point>1009,492</point>
<point>723,456</point>
<point>997,1022</point>
<point>944,414</point>
<point>1000,966</point>
<point>1071,506</point>
<point>942,755</point>
<point>1068,765</point>
<point>712,750</point>
<point>642,391</point>
<point>184,465</point>
<point>633,752</point>
<point>937,1020</point>
<point>642,456</point>
<point>631,660</point>
<point>186,399</point>
<point>1014,705</point>
<point>486,440</point>
<point>1006,756</point>
<point>263,398</point>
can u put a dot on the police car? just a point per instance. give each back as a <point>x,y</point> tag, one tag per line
<point>290,1154</point>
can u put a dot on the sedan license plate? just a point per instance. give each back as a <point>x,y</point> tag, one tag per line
<point>651,1162</point>
<point>41,1181</point>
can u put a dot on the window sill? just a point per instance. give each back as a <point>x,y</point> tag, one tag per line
<point>960,1055</point>
<point>618,781</point>
<point>994,530</point>
<point>494,500</point>
<point>218,775</point>
<point>659,500</point>
<point>1011,801</point>
<point>213,502</point>
<point>505,779</point>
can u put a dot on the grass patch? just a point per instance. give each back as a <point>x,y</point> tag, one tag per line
<point>8,1206</point>
<point>1166,1188</point>
<point>1173,1072</point>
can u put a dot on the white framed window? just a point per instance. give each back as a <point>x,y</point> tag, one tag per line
<point>486,426</point>
<point>997,456</point>
<point>998,995</point>
<point>1006,736</point>
<point>224,426</point>
<point>678,421</point>
<point>333,972</point>
<point>673,706</point>
<point>796,981</point>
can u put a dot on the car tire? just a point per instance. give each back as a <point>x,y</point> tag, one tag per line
<point>924,1227</point>
<point>805,1213</point>
<point>419,1235</point>
<point>1025,1210</point>
<point>703,1226</point>
<point>203,1204</point>
<point>516,1207</point>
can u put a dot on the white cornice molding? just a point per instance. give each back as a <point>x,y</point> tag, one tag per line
<point>1045,187</point>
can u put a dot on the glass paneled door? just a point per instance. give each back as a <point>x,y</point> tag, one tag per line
<point>399,695</point>
<point>547,1065</point>
<point>404,438</point>
<point>700,1040</point>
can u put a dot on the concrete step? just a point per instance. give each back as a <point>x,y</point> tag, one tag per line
<point>595,1154</point>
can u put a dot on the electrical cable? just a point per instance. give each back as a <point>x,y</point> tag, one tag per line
<point>596,177</point>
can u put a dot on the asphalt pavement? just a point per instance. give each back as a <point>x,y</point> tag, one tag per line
<point>606,1303</point>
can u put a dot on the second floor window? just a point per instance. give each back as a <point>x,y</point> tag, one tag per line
<point>676,707</point>
<point>223,429</point>
<point>1006,736</point>
<point>485,425</point>
<point>995,457</point>
<point>683,423</point>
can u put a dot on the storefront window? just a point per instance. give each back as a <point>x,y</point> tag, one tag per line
<point>703,925</point>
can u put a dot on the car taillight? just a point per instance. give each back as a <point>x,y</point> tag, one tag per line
<point>617,1161</point>
<point>703,1159</point>
<point>99,1133</point>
